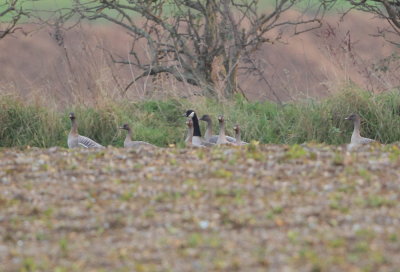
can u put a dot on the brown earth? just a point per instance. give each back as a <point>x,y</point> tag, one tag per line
<point>255,208</point>
<point>312,64</point>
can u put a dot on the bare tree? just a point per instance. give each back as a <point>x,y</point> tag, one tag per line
<point>10,15</point>
<point>201,42</point>
<point>386,9</point>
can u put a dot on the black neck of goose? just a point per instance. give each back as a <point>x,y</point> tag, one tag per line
<point>196,126</point>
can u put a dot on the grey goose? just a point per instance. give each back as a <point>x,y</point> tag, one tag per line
<point>356,138</point>
<point>75,140</point>
<point>222,137</point>
<point>238,140</point>
<point>208,136</point>
<point>128,143</point>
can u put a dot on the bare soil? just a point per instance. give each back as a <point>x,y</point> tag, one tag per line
<point>254,208</point>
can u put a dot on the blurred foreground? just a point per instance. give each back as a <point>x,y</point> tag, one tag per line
<point>255,208</point>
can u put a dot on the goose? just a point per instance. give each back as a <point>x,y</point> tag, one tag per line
<point>76,140</point>
<point>356,138</point>
<point>221,137</point>
<point>189,138</point>
<point>208,134</point>
<point>196,138</point>
<point>238,140</point>
<point>128,139</point>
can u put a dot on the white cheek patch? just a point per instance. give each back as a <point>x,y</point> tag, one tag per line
<point>191,115</point>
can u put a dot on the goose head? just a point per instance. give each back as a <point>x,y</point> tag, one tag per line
<point>205,118</point>
<point>353,117</point>
<point>72,116</point>
<point>189,113</point>
<point>221,119</point>
<point>125,127</point>
<point>236,128</point>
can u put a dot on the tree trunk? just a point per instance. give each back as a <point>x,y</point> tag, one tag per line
<point>214,69</point>
<point>231,81</point>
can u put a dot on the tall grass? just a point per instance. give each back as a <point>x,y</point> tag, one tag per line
<point>161,122</point>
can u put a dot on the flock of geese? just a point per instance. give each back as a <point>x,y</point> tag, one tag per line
<point>193,138</point>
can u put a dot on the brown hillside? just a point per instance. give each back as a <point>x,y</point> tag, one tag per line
<point>312,64</point>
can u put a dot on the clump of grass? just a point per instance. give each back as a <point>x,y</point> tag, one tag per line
<point>161,122</point>
<point>22,124</point>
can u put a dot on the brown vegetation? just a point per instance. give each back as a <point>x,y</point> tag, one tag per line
<point>81,69</point>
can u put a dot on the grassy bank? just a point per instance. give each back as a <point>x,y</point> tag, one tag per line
<point>161,122</point>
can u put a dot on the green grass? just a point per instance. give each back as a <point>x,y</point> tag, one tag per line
<point>161,122</point>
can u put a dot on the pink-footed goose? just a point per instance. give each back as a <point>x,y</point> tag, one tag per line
<point>128,143</point>
<point>222,137</point>
<point>238,140</point>
<point>208,136</point>
<point>75,140</point>
<point>356,138</point>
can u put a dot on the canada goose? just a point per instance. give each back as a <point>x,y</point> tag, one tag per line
<point>221,137</point>
<point>208,134</point>
<point>238,140</point>
<point>191,128</point>
<point>196,137</point>
<point>76,140</point>
<point>128,139</point>
<point>356,138</point>
<point>189,138</point>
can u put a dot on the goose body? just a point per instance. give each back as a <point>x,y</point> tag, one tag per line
<point>214,139</point>
<point>356,138</point>
<point>75,140</point>
<point>128,143</point>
